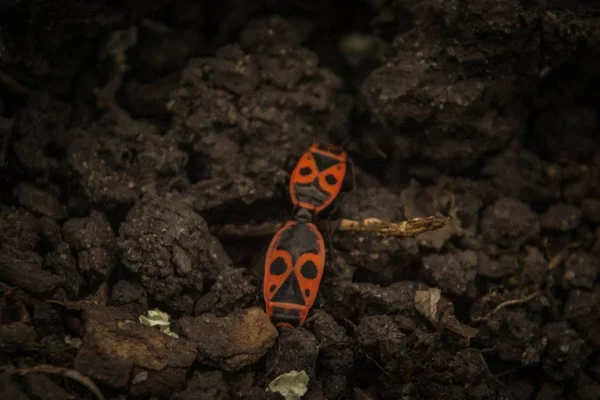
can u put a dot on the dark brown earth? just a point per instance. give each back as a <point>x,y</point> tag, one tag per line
<point>128,134</point>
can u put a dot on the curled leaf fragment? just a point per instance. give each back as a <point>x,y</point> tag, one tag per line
<point>158,318</point>
<point>432,305</point>
<point>291,385</point>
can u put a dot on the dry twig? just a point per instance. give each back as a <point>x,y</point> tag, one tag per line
<point>507,303</point>
<point>373,225</point>
<point>60,371</point>
<point>562,255</point>
<point>402,229</point>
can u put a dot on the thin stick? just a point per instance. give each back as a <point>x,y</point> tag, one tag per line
<point>373,225</point>
<point>506,304</point>
<point>61,371</point>
<point>562,255</point>
<point>409,228</point>
<point>377,364</point>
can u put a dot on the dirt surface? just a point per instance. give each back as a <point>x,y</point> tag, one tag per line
<point>129,134</point>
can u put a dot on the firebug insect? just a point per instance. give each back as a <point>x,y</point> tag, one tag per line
<point>293,270</point>
<point>318,177</point>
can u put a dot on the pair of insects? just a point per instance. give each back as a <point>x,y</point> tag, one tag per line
<point>296,256</point>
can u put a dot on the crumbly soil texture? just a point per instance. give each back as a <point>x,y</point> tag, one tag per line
<point>130,132</point>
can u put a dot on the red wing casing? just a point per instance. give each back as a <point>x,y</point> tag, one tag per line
<point>318,177</point>
<point>293,271</point>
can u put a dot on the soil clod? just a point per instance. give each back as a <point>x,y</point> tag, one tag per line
<point>232,342</point>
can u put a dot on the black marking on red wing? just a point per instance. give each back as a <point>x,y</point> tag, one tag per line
<point>297,240</point>
<point>309,270</point>
<point>289,292</point>
<point>278,267</point>
<point>331,179</point>
<point>330,148</point>
<point>323,162</point>
<point>305,171</point>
